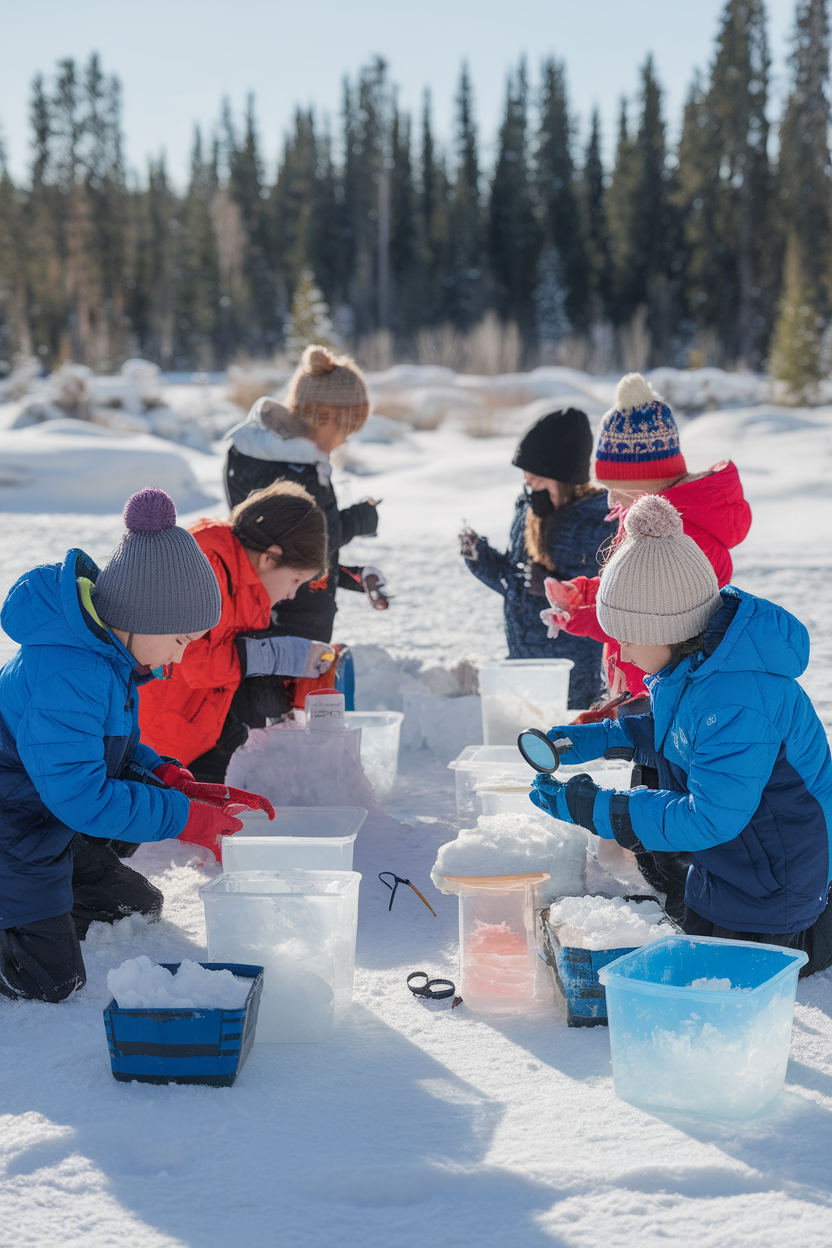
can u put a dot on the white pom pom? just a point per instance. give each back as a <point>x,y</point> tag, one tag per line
<point>633,391</point>
<point>653,516</point>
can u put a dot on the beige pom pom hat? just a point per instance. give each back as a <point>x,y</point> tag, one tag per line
<point>658,588</point>
<point>322,379</point>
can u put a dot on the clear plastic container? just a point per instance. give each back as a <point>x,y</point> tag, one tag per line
<point>306,838</point>
<point>714,1050</point>
<point>380,733</point>
<point>498,961</point>
<point>523,693</point>
<point>512,799</point>
<point>301,927</point>
<point>479,763</point>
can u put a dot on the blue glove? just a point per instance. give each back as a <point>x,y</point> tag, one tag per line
<point>287,656</point>
<point>573,802</point>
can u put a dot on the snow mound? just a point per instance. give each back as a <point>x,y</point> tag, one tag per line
<point>74,466</point>
<point>139,984</point>
<point>607,922</point>
<point>514,844</point>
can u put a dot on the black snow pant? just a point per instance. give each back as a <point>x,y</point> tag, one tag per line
<point>42,961</point>
<point>816,940</point>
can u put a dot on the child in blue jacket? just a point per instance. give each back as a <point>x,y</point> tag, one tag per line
<point>74,775</point>
<point>744,765</point>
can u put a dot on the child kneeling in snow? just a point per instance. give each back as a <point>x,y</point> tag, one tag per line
<point>745,777</point>
<point>74,776</point>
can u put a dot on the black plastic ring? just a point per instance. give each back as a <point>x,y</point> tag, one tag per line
<point>450,991</point>
<point>421,990</point>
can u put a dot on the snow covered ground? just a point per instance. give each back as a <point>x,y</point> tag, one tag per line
<point>417,1125</point>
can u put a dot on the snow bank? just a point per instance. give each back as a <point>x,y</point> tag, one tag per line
<point>607,922</point>
<point>140,984</point>
<point>513,844</point>
<point>74,466</point>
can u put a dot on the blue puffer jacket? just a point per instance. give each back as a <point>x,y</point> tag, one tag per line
<point>70,756</point>
<point>578,534</point>
<point>745,768</point>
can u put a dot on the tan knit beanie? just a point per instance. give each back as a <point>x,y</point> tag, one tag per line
<point>658,588</point>
<point>322,378</point>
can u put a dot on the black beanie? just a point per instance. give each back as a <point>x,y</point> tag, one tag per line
<point>557,446</point>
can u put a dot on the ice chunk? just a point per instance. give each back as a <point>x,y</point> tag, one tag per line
<point>714,984</point>
<point>607,922</point>
<point>141,984</point>
<point>515,844</point>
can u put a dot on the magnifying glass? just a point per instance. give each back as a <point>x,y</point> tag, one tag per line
<point>541,753</point>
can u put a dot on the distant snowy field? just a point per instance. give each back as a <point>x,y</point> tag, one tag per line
<point>413,1126</point>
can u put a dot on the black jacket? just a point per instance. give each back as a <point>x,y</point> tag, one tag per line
<point>579,537</point>
<point>311,613</point>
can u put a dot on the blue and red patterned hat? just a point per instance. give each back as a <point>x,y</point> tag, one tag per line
<point>638,439</point>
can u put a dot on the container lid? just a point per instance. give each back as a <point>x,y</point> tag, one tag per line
<point>510,664</point>
<point>498,883</point>
<point>325,821</point>
<point>374,719</point>
<point>281,883</point>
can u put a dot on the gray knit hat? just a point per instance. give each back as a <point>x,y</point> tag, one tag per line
<point>658,588</point>
<point>157,580</point>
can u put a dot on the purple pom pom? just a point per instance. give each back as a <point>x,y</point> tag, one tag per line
<point>150,511</point>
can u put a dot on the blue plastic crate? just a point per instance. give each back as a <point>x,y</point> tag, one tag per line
<point>184,1045</point>
<point>576,973</point>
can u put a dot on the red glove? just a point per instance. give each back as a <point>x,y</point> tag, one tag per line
<point>206,826</point>
<point>214,794</point>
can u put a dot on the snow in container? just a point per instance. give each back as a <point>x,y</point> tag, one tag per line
<point>301,927</point>
<point>701,1025</point>
<point>294,767</point>
<point>380,733</point>
<point>523,693</point>
<point>184,1045</point>
<point>305,838</point>
<point>476,764</point>
<point>497,958</point>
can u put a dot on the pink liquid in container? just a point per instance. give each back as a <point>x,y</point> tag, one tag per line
<point>497,956</point>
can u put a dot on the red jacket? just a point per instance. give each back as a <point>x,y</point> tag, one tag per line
<point>183,716</point>
<point>715,514</point>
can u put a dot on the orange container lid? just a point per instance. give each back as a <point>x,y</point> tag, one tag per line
<point>499,882</point>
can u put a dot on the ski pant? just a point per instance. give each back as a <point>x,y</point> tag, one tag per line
<point>816,940</point>
<point>42,961</point>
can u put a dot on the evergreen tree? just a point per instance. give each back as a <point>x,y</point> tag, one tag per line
<point>403,227</point>
<point>698,199</point>
<point>564,249</point>
<point>310,321</point>
<point>366,193</point>
<point>796,347</point>
<point>805,172</point>
<point>464,284</point>
<point>513,233</point>
<point>153,266</point>
<point>256,322</point>
<point>596,227</point>
<point>433,222</point>
<point>197,293</point>
<point>291,206</point>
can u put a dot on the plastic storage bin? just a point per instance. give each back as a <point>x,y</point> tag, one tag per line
<point>718,1053</point>
<point>497,956</point>
<point>300,926</point>
<point>501,799</point>
<point>477,764</point>
<point>306,838</point>
<point>184,1045</point>
<point>380,733</point>
<point>523,693</point>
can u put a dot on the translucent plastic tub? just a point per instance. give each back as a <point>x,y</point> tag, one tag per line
<point>477,764</point>
<point>498,961</point>
<point>523,693</point>
<point>713,1051</point>
<point>301,927</point>
<point>306,838</point>
<point>380,733</point>
<point>512,799</point>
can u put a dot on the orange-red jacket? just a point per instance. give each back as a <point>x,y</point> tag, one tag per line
<point>716,515</point>
<point>183,716</point>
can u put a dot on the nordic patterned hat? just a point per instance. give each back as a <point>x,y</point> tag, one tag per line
<point>638,439</point>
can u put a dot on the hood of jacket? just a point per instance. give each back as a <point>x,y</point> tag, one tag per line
<point>746,634</point>
<point>714,503</point>
<point>43,609</point>
<point>254,438</point>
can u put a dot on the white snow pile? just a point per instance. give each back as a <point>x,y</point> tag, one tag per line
<point>714,984</point>
<point>607,922</point>
<point>139,984</point>
<point>74,466</point>
<point>515,844</point>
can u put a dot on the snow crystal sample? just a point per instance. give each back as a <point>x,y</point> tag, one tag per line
<point>380,733</point>
<point>701,1050</point>
<point>517,844</point>
<point>292,767</point>
<point>139,984</point>
<point>522,693</point>
<point>607,922</point>
<point>301,927</point>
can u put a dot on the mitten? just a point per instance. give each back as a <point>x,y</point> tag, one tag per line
<point>207,826</point>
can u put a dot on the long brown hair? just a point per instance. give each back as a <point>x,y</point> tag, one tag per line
<point>539,529</point>
<point>283,514</point>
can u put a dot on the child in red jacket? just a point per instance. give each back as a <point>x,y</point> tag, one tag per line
<point>638,453</point>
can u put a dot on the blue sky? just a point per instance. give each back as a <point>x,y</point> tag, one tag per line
<point>178,58</point>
